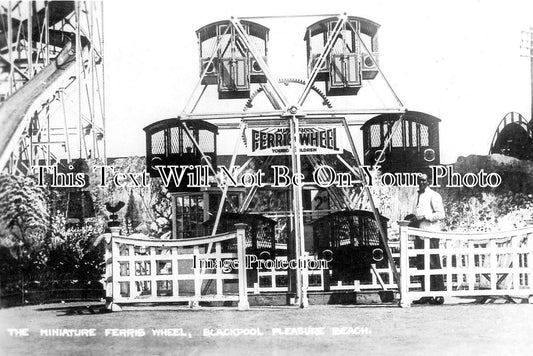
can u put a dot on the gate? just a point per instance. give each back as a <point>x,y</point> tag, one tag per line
<point>465,264</point>
<point>204,269</point>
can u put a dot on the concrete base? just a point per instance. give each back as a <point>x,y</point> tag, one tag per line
<point>348,297</point>
<point>243,305</point>
<point>324,298</point>
<point>113,307</point>
<point>273,299</point>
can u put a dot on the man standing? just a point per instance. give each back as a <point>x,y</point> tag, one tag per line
<point>429,211</point>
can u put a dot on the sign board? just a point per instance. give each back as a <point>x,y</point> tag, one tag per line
<point>266,141</point>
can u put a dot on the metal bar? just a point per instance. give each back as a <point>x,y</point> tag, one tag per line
<point>174,217</point>
<point>41,43</point>
<point>10,47</point>
<point>404,264</point>
<point>79,74</point>
<point>531,68</point>
<point>353,204</point>
<point>241,256</point>
<point>47,143</point>
<point>226,187</point>
<point>237,115</point>
<point>30,146</point>
<point>198,100</point>
<point>327,49</point>
<point>372,205</point>
<point>388,140</point>
<point>285,16</point>
<point>378,277</point>
<point>191,137</point>
<point>199,82</point>
<point>224,196</point>
<point>277,113</point>
<point>93,68</point>
<point>376,63</point>
<point>333,192</point>
<point>343,161</point>
<point>102,89</point>
<point>13,68</point>
<point>84,140</point>
<point>248,199</point>
<point>29,39</point>
<point>259,59</point>
<point>241,168</point>
<point>295,212</point>
<point>298,209</point>
<point>46,33</point>
<point>235,125</point>
<point>269,96</point>
<point>67,141</point>
<point>246,202</point>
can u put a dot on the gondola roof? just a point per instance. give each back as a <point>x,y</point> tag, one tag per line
<point>423,117</point>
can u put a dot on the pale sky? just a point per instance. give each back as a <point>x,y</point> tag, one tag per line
<point>457,60</point>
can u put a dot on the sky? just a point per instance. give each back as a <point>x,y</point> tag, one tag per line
<point>457,60</point>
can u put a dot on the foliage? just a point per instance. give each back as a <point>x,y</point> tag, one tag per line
<point>487,211</point>
<point>133,216</point>
<point>159,201</point>
<point>23,215</point>
<point>466,209</point>
<point>149,205</point>
<point>71,250</point>
<point>392,202</point>
<point>35,239</point>
<point>38,243</point>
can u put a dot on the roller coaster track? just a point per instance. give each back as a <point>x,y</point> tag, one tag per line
<point>510,118</point>
<point>43,52</point>
<point>17,110</point>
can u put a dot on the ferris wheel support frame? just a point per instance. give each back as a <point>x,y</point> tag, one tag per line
<point>292,114</point>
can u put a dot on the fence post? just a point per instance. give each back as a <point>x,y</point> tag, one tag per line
<point>241,255</point>
<point>527,263</point>
<point>111,270</point>
<point>405,300</point>
<point>108,276</point>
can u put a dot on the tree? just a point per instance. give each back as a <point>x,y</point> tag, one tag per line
<point>152,202</point>
<point>133,216</point>
<point>23,215</point>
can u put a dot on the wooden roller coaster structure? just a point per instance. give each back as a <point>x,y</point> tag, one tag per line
<point>51,83</point>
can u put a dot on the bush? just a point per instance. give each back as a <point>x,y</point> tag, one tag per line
<point>487,211</point>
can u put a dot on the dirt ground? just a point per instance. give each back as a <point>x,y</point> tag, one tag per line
<point>488,329</point>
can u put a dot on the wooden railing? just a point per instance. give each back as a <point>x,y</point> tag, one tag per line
<point>465,264</point>
<point>276,280</point>
<point>142,270</point>
<point>451,265</point>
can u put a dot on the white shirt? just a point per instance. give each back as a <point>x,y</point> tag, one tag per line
<point>430,206</point>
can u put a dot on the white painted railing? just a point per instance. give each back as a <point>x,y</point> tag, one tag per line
<point>276,280</point>
<point>465,264</point>
<point>142,270</point>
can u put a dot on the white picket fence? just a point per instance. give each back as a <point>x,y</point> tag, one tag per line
<point>471,264</point>
<point>142,270</point>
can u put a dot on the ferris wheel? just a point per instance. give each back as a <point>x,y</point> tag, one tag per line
<point>280,120</point>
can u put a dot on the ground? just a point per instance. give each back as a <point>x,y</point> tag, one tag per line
<point>488,329</point>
